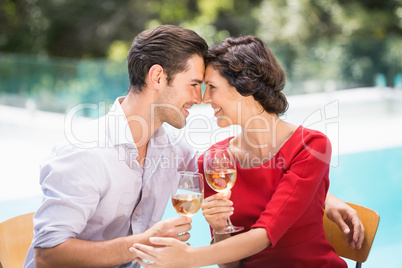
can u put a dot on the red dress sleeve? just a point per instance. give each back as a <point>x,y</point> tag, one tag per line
<point>307,165</point>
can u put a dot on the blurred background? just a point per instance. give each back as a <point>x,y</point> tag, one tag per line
<point>59,52</point>
<point>343,61</point>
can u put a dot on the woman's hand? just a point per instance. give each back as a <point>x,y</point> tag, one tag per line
<point>216,209</point>
<point>347,220</point>
<point>167,253</point>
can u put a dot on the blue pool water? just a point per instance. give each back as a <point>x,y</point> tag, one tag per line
<point>372,179</point>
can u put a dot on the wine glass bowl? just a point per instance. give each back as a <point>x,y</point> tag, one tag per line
<point>188,197</point>
<point>222,181</point>
<point>220,174</point>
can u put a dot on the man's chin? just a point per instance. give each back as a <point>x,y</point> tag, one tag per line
<point>178,125</point>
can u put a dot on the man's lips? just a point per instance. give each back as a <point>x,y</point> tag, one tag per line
<point>185,109</point>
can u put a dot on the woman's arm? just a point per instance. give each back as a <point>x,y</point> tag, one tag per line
<point>176,254</point>
<point>216,209</point>
<point>346,218</point>
<point>221,237</point>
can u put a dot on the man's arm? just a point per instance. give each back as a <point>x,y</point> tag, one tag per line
<point>81,253</point>
<point>347,220</point>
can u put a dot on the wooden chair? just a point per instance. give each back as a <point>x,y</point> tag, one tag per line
<point>15,238</point>
<point>370,220</point>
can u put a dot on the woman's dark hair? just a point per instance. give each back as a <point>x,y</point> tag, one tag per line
<point>167,45</point>
<point>249,66</point>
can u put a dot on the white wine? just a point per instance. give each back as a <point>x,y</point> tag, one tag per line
<point>187,204</point>
<point>221,180</point>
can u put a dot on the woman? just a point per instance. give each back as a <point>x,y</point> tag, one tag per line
<point>282,172</point>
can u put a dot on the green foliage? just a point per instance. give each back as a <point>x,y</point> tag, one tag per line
<point>332,40</point>
<point>118,50</point>
<point>322,44</point>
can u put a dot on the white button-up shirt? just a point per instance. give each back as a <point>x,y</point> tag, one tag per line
<point>94,189</point>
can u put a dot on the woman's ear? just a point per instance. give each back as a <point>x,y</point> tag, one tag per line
<point>156,76</point>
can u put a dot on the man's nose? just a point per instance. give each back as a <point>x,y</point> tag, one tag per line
<point>197,95</point>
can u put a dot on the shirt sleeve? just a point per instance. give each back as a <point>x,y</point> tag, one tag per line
<point>71,192</point>
<point>297,187</point>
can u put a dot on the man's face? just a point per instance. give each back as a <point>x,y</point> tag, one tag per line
<point>183,91</point>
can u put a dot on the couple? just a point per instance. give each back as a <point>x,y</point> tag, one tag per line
<point>102,204</point>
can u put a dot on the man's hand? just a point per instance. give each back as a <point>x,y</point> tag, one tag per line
<point>347,220</point>
<point>177,227</point>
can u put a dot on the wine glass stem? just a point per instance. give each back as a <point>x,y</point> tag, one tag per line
<point>228,222</point>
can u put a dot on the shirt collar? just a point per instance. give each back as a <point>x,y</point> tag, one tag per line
<point>119,130</point>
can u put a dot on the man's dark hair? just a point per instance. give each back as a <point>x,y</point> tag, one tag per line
<point>167,45</point>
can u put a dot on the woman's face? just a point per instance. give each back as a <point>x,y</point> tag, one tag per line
<point>224,99</point>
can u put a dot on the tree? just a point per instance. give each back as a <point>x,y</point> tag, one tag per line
<point>335,40</point>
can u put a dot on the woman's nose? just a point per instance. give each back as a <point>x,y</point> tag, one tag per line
<point>207,96</point>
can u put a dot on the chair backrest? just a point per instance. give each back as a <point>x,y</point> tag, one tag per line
<point>337,238</point>
<point>15,238</point>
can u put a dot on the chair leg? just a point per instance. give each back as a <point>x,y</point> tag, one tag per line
<point>358,265</point>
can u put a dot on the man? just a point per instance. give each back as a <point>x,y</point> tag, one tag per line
<point>99,200</point>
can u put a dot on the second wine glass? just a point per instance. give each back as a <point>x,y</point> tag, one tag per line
<point>220,174</point>
<point>187,198</point>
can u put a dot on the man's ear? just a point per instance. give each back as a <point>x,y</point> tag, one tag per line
<point>156,76</point>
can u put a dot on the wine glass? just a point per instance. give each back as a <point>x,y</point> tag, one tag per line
<point>189,195</point>
<point>220,173</point>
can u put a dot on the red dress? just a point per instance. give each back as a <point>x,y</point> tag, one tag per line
<point>286,195</point>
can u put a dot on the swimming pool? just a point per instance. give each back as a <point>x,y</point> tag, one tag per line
<point>374,179</point>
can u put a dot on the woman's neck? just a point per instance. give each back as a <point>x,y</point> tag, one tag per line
<point>261,138</point>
